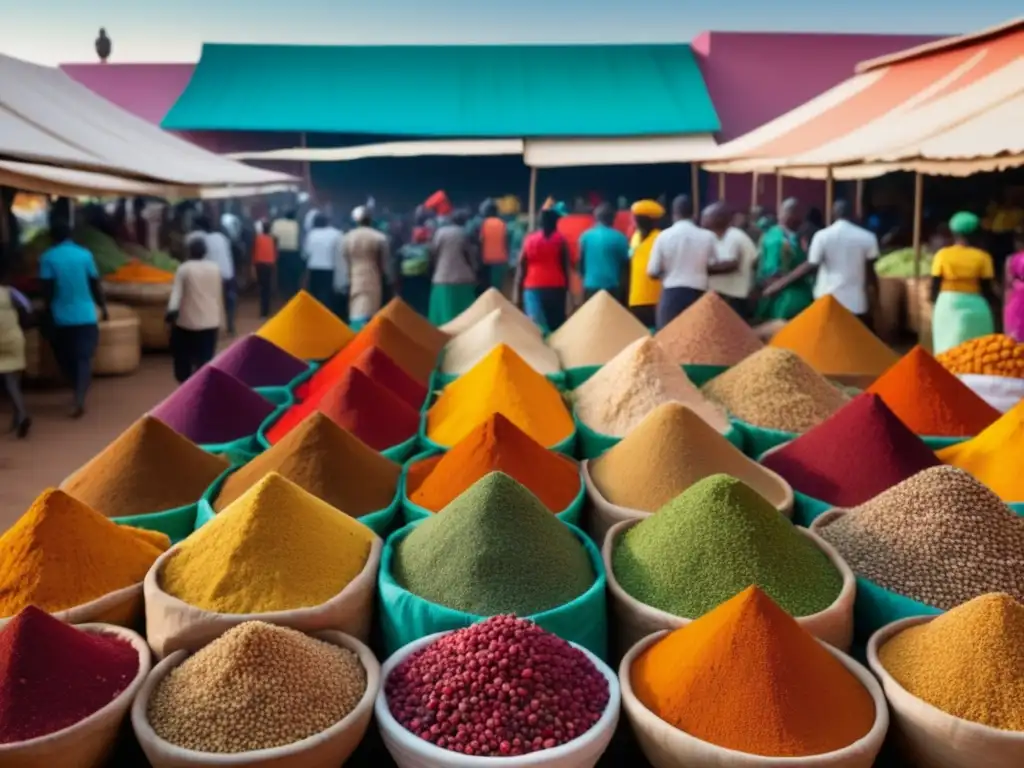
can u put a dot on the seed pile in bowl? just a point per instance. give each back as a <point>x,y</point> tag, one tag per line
<point>969,662</point>
<point>712,542</point>
<point>941,538</point>
<point>709,333</point>
<point>53,675</point>
<point>503,687</point>
<point>257,686</point>
<point>775,389</point>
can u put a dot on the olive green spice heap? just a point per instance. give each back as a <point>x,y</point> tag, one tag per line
<point>495,549</point>
<point>712,542</point>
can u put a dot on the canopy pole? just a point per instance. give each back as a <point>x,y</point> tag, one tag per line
<point>859,201</point>
<point>533,198</point>
<point>753,190</point>
<point>721,187</point>
<point>916,296</point>
<point>307,173</point>
<point>695,185</point>
<point>778,189</point>
<point>830,194</point>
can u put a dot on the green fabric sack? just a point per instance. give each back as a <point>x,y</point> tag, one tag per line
<point>406,617</point>
<point>876,606</point>
<point>577,377</point>
<point>1017,507</point>
<point>702,374</point>
<point>758,440</point>
<point>277,395</point>
<point>566,447</point>
<point>413,513</point>
<point>177,523</point>
<point>807,509</point>
<point>938,443</point>
<point>237,451</point>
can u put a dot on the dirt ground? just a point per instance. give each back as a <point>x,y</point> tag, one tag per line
<point>59,445</point>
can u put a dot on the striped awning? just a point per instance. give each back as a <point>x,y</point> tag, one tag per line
<point>892,108</point>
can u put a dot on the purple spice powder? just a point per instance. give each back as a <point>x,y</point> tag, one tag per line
<point>499,688</point>
<point>256,362</point>
<point>213,407</point>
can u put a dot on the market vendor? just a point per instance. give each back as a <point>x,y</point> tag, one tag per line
<point>365,260</point>
<point>782,253</point>
<point>454,270</point>
<point>962,287</point>
<point>644,291</point>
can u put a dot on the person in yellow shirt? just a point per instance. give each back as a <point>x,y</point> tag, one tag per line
<point>962,287</point>
<point>644,291</point>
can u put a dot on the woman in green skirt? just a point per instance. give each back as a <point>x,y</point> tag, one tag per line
<point>453,262</point>
<point>962,287</point>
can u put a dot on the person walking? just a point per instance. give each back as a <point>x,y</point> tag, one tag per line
<point>14,315</point>
<point>320,252</point>
<point>604,256</point>
<point>1013,308</point>
<point>194,311</point>
<point>681,259</point>
<point>285,231</point>
<point>494,244</point>
<point>732,275</point>
<point>782,252</point>
<point>542,275</point>
<point>218,251</point>
<point>71,292</point>
<point>264,260</point>
<point>962,287</point>
<point>365,257</point>
<point>644,291</point>
<point>454,268</point>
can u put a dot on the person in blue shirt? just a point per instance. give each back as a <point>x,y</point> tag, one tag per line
<point>604,256</point>
<point>71,290</point>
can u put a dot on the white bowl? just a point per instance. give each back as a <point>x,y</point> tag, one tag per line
<point>410,751</point>
<point>326,749</point>
<point>937,738</point>
<point>88,742</point>
<point>668,747</point>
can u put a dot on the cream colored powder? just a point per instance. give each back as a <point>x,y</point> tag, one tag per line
<point>596,332</point>
<point>487,302</point>
<point>499,327</point>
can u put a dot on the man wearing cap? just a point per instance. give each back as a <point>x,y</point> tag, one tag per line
<point>962,280</point>
<point>644,291</point>
<point>365,258</point>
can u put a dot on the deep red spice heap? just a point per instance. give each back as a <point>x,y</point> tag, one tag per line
<point>502,687</point>
<point>53,675</point>
<point>376,364</point>
<point>862,450</point>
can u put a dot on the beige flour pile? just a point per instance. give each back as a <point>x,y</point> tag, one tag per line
<point>499,327</point>
<point>596,332</point>
<point>487,302</point>
<point>776,389</point>
<point>670,450</point>
<point>634,383</point>
<point>709,333</point>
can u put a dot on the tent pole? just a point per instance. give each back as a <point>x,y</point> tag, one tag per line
<point>778,189</point>
<point>753,190</point>
<point>533,198</point>
<point>918,214</point>
<point>721,187</point>
<point>695,185</point>
<point>307,173</point>
<point>830,194</point>
<point>859,202</point>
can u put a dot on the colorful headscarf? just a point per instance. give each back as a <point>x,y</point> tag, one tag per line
<point>650,209</point>
<point>439,203</point>
<point>964,223</point>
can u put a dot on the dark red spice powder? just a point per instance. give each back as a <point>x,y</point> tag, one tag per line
<point>53,675</point>
<point>860,451</point>
<point>499,688</point>
<point>376,364</point>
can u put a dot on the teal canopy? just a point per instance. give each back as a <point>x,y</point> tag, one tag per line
<point>485,91</point>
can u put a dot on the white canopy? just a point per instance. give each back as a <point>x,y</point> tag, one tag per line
<point>640,150</point>
<point>436,148</point>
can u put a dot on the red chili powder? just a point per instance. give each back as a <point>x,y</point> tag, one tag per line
<point>860,451</point>
<point>374,414</point>
<point>930,400</point>
<point>376,364</point>
<point>53,675</point>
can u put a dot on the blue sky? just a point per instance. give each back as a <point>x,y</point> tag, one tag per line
<point>52,31</point>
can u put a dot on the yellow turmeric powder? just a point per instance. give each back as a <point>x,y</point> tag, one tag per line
<point>140,272</point>
<point>275,548</point>
<point>500,383</point>
<point>994,455</point>
<point>747,677</point>
<point>61,554</point>
<point>306,329</point>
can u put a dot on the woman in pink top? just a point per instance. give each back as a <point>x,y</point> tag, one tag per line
<point>542,275</point>
<point>1013,307</point>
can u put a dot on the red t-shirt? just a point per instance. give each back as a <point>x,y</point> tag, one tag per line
<point>545,261</point>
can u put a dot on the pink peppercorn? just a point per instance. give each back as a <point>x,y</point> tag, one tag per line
<point>500,688</point>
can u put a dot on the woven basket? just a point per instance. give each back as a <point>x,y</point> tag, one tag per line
<point>120,348</point>
<point>138,294</point>
<point>40,362</point>
<point>920,308</point>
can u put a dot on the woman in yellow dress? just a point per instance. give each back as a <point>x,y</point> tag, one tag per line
<point>644,291</point>
<point>962,287</point>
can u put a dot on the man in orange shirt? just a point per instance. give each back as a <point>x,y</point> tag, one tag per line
<point>264,259</point>
<point>494,243</point>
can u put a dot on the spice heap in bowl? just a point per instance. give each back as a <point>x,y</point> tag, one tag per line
<point>500,688</point>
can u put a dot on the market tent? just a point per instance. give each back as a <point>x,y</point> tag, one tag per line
<point>440,148</point>
<point>445,91</point>
<point>893,102</point>
<point>48,119</point>
<point>643,150</point>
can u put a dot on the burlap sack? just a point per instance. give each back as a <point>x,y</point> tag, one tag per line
<point>173,625</point>
<point>328,749</point>
<point>632,620</point>
<point>668,747</point>
<point>88,743</point>
<point>927,736</point>
<point>123,608</point>
<point>603,515</point>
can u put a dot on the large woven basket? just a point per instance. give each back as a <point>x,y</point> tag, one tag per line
<point>137,294</point>
<point>154,331</point>
<point>150,303</point>
<point>120,347</point>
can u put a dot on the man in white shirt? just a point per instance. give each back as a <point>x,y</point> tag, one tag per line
<point>194,311</point>
<point>320,252</point>
<point>218,251</point>
<point>681,258</point>
<point>735,255</point>
<point>841,253</point>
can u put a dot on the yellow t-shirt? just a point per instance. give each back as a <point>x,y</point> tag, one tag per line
<point>643,290</point>
<point>962,268</point>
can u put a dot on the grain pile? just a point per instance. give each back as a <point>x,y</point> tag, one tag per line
<point>487,302</point>
<point>148,468</point>
<point>670,450</point>
<point>969,662</point>
<point>711,543</point>
<point>941,538</point>
<point>596,332</point>
<point>499,327</point>
<point>257,686</point>
<point>775,389</point>
<point>495,549</point>
<point>306,329</point>
<point>709,333</point>
<point>640,378</point>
